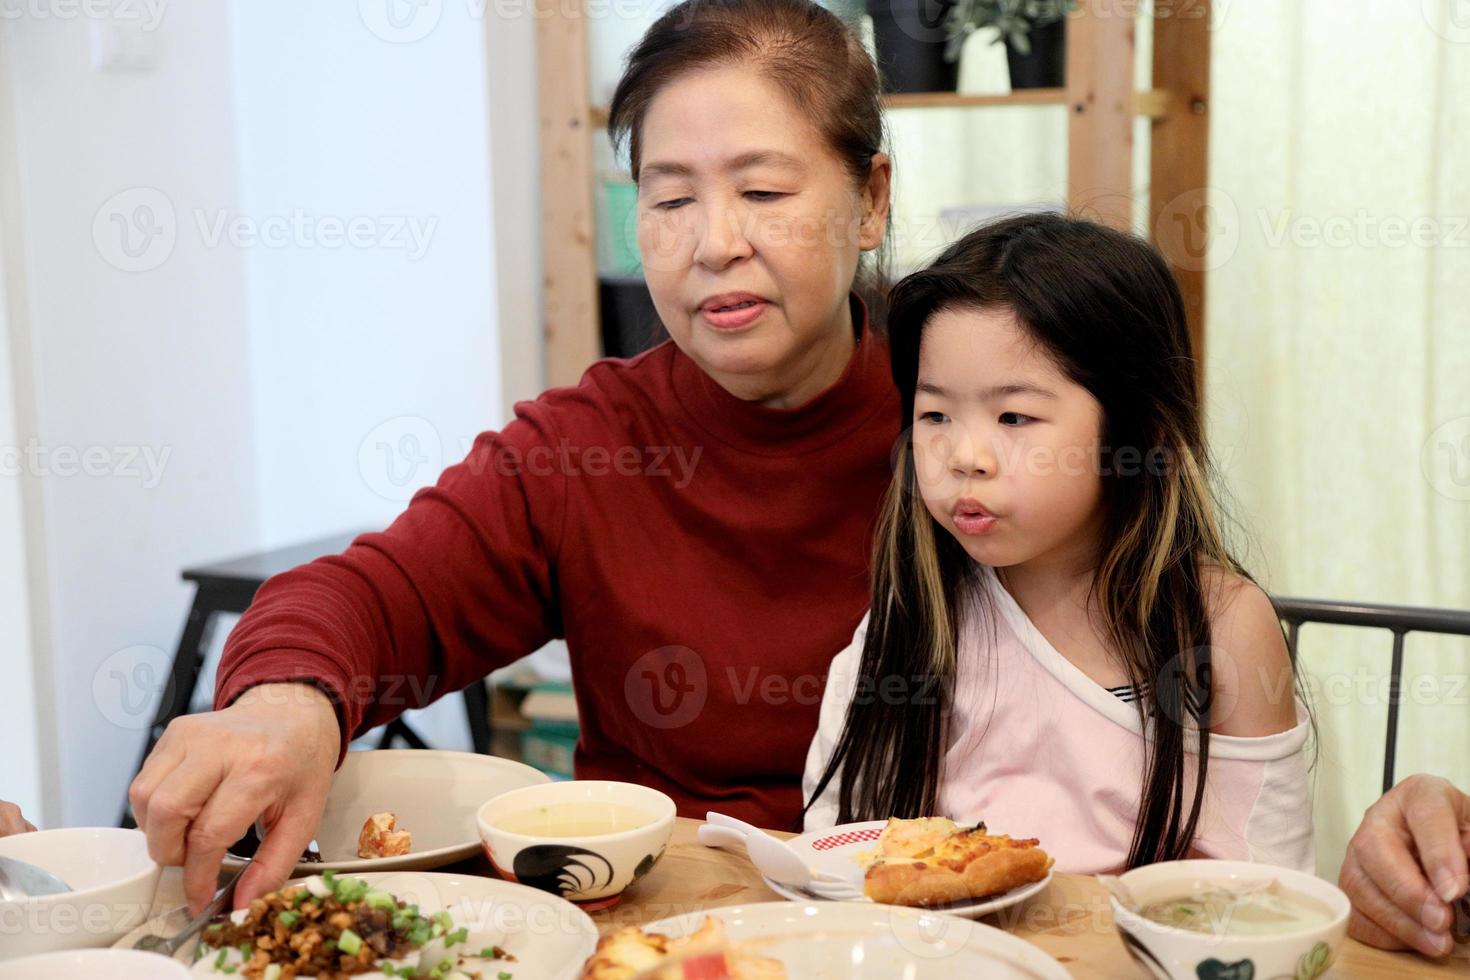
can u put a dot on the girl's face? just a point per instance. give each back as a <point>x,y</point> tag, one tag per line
<point>1006,447</point>
<point>750,230</point>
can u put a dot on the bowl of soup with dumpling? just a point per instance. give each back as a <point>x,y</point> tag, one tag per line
<point>1182,920</point>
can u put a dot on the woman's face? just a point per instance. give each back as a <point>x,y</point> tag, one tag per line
<point>750,229</point>
<point>1006,447</point>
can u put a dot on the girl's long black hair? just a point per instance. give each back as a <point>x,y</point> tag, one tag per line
<point>1104,305</point>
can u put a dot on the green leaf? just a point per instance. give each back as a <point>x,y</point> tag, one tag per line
<point>1314,962</point>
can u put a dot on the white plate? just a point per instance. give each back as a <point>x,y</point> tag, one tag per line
<point>433,794</point>
<point>834,849</point>
<point>549,937</point>
<point>845,940</point>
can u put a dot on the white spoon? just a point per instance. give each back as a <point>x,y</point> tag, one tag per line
<point>776,859</point>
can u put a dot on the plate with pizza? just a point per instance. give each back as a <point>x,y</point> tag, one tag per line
<point>817,941</point>
<point>929,862</point>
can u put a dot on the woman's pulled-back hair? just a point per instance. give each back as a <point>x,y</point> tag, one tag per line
<point>800,47</point>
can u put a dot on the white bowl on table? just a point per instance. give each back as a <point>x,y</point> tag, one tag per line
<point>433,794</point>
<point>590,869</point>
<point>1173,953</point>
<point>112,878</point>
<point>84,964</point>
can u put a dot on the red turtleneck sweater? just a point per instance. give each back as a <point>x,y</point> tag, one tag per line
<point>704,557</point>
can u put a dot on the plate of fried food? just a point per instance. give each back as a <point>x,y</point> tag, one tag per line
<point>408,809</point>
<point>400,924</point>
<point>929,862</point>
<point>817,941</point>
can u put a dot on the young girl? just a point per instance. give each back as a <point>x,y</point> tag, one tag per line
<point>1060,643</point>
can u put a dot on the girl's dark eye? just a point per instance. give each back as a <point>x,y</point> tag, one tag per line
<point>764,196</point>
<point>1015,418</point>
<point>672,205</point>
<point>934,418</point>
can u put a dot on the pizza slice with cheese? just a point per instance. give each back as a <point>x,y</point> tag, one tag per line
<point>630,951</point>
<point>932,861</point>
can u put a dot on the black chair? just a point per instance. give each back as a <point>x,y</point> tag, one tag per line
<point>229,587</point>
<point>1399,620</point>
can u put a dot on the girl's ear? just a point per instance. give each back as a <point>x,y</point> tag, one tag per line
<point>875,203</point>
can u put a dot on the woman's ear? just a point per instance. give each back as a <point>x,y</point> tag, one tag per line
<point>875,203</point>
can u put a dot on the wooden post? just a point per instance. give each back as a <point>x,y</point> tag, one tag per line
<point>1179,170</point>
<point>573,331</point>
<point>1100,101</point>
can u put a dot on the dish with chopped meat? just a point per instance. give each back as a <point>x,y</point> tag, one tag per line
<point>413,923</point>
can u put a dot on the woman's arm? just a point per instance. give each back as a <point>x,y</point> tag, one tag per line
<point>462,582</point>
<point>836,697</point>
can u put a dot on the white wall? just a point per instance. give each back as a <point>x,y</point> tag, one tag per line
<point>372,365</point>
<point>324,290</point>
<point>20,711</point>
<point>391,340</point>
<point>127,363</point>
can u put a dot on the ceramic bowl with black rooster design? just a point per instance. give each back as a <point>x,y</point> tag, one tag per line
<point>1288,926</point>
<point>585,840</point>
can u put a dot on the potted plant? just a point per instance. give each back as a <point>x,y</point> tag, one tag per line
<point>910,39</point>
<point>1033,31</point>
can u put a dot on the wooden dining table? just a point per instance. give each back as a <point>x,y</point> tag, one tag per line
<point>1070,919</point>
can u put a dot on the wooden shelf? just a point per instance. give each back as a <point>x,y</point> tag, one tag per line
<point>1100,103</point>
<point>1151,103</point>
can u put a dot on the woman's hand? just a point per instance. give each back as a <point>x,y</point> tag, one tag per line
<point>1407,864</point>
<point>271,755</point>
<point>11,821</point>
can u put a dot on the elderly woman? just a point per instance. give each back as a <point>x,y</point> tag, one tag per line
<point>695,522</point>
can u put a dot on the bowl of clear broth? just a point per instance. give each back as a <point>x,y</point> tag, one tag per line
<point>1186,920</point>
<point>585,840</point>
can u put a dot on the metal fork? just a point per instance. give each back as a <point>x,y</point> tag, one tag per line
<point>169,945</point>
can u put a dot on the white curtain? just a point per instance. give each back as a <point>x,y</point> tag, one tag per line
<point>1338,352</point>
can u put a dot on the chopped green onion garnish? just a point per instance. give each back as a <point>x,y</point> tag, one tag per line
<point>379,899</point>
<point>219,961</point>
<point>288,918</point>
<point>457,936</point>
<point>349,942</point>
